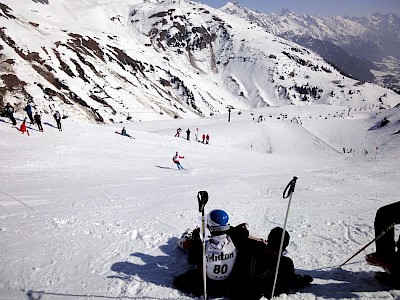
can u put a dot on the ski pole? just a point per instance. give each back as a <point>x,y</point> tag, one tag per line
<point>375,239</point>
<point>288,192</point>
<point>202,198</point>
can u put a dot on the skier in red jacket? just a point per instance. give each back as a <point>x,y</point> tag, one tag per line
<point>22,128</point>
<point>176,158</point>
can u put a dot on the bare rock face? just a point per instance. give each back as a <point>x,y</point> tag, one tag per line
<point>41,1</point>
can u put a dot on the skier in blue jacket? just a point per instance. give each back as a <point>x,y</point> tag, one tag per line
<point>29,112</point>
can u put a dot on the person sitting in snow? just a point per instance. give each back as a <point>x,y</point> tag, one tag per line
<point>176,158</point>
<point>256,267</point>
<point>386,255</point>
<point>249,269</point>
<point>221,250</point>
<point>124,133</point>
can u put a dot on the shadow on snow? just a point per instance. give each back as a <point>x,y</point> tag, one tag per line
<point>343,284</point>
<point>160,270</point>
<point>168,168</point>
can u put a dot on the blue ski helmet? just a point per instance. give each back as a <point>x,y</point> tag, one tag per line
<point>218,220</point>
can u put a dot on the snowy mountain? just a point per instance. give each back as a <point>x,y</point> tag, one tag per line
<point>131,60</point>
<point>365,48</point>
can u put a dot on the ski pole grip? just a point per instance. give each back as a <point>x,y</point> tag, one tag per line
<point>202,198</point>
<point>290,187</point>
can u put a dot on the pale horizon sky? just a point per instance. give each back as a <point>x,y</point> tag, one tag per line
<point>316,7</point>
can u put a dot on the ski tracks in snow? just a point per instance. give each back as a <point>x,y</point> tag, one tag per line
<point>347,244</point>
<point>16,200</point>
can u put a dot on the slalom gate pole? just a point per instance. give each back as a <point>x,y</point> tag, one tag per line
<point>202,198</point>
<point>375,239</point>
<point>288,192</point>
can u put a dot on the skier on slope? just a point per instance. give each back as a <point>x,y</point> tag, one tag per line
<point>9,111</point>
<point>188,134</point>
<point>57,117</point>
<point>248,271</point>
<point>22,128</point>
<point>386,256</point>
<point>178,132</point>
<point>176,158</point>
<point>28,109</point>
<point>38,121</point>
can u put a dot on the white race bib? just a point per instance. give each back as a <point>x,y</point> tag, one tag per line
<point>221,255</point>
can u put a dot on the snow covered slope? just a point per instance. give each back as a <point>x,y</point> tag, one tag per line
<point>365,48</point>
<point>86,213</point>
<point>118,61</point>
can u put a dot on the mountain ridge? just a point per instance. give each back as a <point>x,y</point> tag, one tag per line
<point>370,42</point>
<point>148,60</point>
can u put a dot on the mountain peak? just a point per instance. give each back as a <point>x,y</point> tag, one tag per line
<point>231,5</point>
<point>285,12</point>
<point>365,40</point>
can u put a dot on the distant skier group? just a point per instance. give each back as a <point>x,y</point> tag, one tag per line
<point>8,111</point>
<point>205,137</point>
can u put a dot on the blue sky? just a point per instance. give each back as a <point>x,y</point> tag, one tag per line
<point>322,8</point>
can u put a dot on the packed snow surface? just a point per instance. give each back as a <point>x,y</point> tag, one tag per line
<point>89,214</point>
